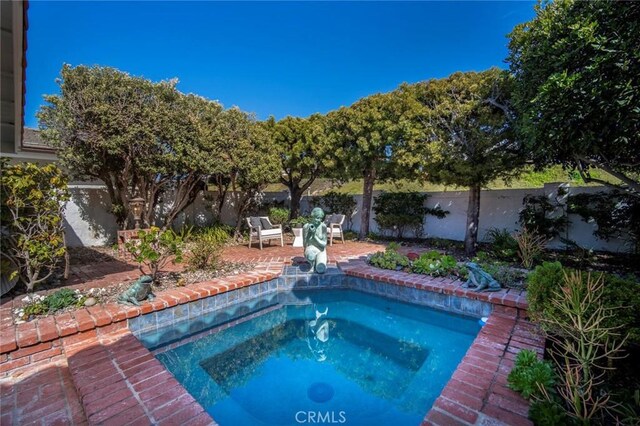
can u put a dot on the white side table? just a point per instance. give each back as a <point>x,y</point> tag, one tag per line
<point>297,241</point>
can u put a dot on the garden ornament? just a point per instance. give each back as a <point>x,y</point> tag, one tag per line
<point>314,241</point>
<point>480,280</point>
<point>139,291</point>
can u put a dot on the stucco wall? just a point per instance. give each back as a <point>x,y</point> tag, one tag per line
<point>91,224</point>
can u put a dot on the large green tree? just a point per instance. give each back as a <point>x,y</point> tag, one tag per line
<point>251,162</point>
<point>577,87</point>
<point>368,142</point>
<point>464,135</point>
<point>303,150</point>
<point>138,137</point>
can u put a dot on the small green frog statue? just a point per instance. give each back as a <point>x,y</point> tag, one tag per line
<point>480,280</point>
<point>139,291</point>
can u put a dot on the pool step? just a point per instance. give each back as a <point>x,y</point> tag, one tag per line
<point>120,382</point>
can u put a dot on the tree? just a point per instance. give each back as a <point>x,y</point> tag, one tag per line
<point>136,136</point>
<point>302,147</point>
<point>367,142</point>
<point>105,125</point>
<point>465,136</point>
<point>33,201</point>
<point>191,138</point>
<point>577,87</point>
<point>250,160</point>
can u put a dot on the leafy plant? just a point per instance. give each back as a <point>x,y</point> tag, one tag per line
<point>299,221</point>
<point>503,245</point>
<point>530,376</point>
<point>389,259</point>
<point>616,214</point>
<point>435,264</point>
<point>278,215</point>
<point>33,201</point>
<point>503,273</point>
<point>40,305</point>
<point>206,247</point>
<point>401,211</point>
<point>154,248</point>
<point>530,246</point>
<point>541,285</point>
<point>584,345</point>
<point>548,412</point>
<point>542,216</point>
<point>620,296</point>
<point>337,203</point>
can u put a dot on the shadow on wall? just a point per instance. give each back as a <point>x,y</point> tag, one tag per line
<point>88,220</point>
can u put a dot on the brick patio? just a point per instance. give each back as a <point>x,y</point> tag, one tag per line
<point>87,368</point>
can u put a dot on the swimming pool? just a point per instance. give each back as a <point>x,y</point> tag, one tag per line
<point>315,356</point>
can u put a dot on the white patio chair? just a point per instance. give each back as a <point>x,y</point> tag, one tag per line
<point>261,229</point>
<point>335,227</point>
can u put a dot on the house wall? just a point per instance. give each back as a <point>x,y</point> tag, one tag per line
<point>89,222</point>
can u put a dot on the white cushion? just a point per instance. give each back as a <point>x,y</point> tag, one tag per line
<point>271,232</point>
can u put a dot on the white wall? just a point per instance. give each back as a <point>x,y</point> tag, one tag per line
<point>91,224</point>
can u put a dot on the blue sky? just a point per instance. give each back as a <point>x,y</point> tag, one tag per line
<point>270,58</point>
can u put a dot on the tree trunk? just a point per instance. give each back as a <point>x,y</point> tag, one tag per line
<point>367,195</point>
<point>473,216</point>
<point>294,204</point>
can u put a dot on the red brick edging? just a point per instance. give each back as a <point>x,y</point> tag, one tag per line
<point>95,341</point>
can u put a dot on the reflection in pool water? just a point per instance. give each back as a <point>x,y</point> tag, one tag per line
<point>341,355</point>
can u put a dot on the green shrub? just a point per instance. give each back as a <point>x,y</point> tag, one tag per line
<point>503,245</point>
<point>548,413</point>
<point>503,273</point>
<point>40,305</point>
<point>61,299</point>
<point>299,221</point>
<point>278,215</point>
<point>337,203</point>
<point>530,377</point>
<point>620,295</point>
<point>542,216</point>
<point>32,199</point>
<point>389,259</point>
<point>399,212</point>
<point>435,264</point>
<point>154,248</point>
<point>541,285</point>
<point>206,247</point>
<point>623,296</point>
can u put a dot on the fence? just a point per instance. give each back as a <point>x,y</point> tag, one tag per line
<point>89,222</point>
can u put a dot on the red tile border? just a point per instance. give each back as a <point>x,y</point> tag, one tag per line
<point>97,337</point>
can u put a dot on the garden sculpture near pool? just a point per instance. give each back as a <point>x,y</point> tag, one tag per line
<point>139,291</point>
<point>480,280</point>
<point>314,241</point>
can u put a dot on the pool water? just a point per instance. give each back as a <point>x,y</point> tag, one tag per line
<point>324,357</point>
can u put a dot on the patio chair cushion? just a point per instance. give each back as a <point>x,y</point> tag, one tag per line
<point>273,231</point>
<point>330,219</point>
<point>265,223</point>
<point>255,222</point>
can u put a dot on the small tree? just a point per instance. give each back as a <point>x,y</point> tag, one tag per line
<point>302,147</point>
<point>465,135</point>
<point>33,202</point>
<point>155,248</point>
<point>250,160</point>
<point>367,140</point>
<point>399,211</point>
<point>337,203</point>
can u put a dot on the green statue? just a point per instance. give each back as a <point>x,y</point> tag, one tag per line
<point>314,241</point>
<point>139,291</point>
<point>480,280</point>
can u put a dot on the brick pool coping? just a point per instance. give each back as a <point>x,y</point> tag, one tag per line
<point>97,336</point>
